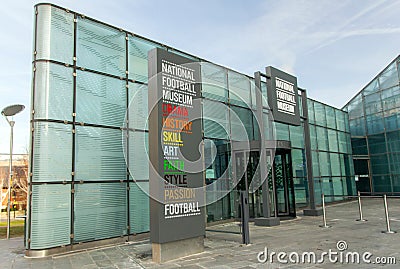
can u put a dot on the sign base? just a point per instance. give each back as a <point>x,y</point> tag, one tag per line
<point>177,249</point>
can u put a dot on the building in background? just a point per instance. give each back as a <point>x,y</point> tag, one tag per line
<point>20,181</point>
<point>375,132</point>
<point>89,169</point>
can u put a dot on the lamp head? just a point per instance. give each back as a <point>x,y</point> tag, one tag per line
<point>12,110</point>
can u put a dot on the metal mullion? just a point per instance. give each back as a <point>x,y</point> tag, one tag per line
<point>28,225</point>
<point>72,212</point>
<point>127,134</point>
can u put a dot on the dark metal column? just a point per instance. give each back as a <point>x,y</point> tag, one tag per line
<point>266,220</point>
<point>263,160</point>
<point>312,211</point>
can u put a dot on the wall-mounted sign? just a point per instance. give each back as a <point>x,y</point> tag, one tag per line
<point>175,142</point>
<point>283,96</point>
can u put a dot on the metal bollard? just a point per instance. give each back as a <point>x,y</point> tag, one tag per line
<point>323,213</point>
<point>360,208</point>
<point>244,201</point>
<point>388,231</point>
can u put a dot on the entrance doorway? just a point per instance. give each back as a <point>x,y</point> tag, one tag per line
<point>280,182</point>
<point>281,179</point>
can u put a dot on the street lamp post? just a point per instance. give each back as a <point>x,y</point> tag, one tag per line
<point>9,112</point>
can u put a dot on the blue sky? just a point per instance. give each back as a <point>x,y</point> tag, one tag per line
<point>333,47</point>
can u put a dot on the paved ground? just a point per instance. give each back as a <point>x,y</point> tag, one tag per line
<point>224,250</point>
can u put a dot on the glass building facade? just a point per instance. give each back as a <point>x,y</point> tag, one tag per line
<point>89,169</point>
<point>374,115</point>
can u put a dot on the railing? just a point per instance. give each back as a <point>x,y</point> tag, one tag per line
<point>370,195</point>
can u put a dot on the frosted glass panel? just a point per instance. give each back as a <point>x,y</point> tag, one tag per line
<point>137,58</point>
<point>53,92</point>
<point>100,99</point>
<point>139,207</point>
<point>215,120</point>
<point>100,48</point>
<point>50,216</point>
<point>100,211</point>
<point>214,82</point>
<point>138,106</point>
<point>241,124</point>
<point>99,154</point>
<point>239,89</point>
<point>55,34</point>
<point>138,155</point>
<point>52,152</point>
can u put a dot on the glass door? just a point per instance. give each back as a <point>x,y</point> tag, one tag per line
<point>283,181</point>
<point>245,171</point>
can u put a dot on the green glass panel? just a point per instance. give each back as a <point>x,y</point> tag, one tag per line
<point>99,154</point>
<point>253,94</point>
<point>100,211</point>
<point>296,136</point>
<point>300,102</point>
<point>52,152</point>
<point>322,138</point>
<point>346,122</point>
<point>311,114</point>
<point>215,120</point>
<point>139,155</point>
<point>54,34</point>
<point>241,124</point>
<point>315,164</point>
<point>391,98</point>
<point>239,89</point>
<point>298,163</point>
<point>325,169</point>
<point>281,131</point>
<point>138,50</point>
<point>379,164</point>
<point>320,115</point>
<point>318,191</point>
<point>373,103</point>
<point>50,216</point>
<point>100,100</point>
<point>313,137</point>
<point>139,207</point>
<point>371,87</point>
<point>335,164</point>
<point>375,123</point>
<point>214,82</point>
<point>333,140</point>
<point>337,185</point>
<point>264,94</point>
<point>268,125</point>
<point>53,92</point>
<point>342,142</point>
<point>394,158</point>
<point>100,48</point>
<point>392,119</point>
<point>342,165</point>
<point>138,106</point>
<point>389,77</point>
<point>327,188</point>
<point>330,117</point>
<point>377,144</point>
<point>382,183</point>
<point>359,146</point>
<point>393,141</point>
<point>340,120</point>
<point>357,127</point>
<point>355,107</point>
